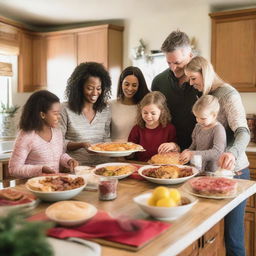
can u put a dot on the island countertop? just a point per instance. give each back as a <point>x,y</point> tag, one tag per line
<point>183,232</point>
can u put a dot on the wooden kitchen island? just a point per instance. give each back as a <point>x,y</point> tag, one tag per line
<point>184,232</point>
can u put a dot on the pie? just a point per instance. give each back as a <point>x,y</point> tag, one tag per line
<point>116,146</point>
<point>70,210</point>
<point>166,158</point>
<point>212,186</point>
<point>168,172</point>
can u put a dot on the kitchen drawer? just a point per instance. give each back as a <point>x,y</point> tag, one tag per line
<point>251,201</point>
<point>252,159</point>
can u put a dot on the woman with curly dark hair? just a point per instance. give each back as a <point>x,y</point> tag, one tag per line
<point>85,118</point>
<point>153,130</point>
<point>131,89</point>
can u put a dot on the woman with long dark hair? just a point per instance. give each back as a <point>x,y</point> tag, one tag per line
<point>131,89</point>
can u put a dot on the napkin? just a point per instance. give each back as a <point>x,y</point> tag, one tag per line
<point>129,232</point>
<point>135,175</point>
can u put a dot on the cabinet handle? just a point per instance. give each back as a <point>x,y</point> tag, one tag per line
<point>210,241</point>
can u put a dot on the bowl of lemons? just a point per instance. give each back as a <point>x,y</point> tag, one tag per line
<point>165,203</point>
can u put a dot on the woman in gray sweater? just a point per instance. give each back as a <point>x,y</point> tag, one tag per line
<point>232,116</point>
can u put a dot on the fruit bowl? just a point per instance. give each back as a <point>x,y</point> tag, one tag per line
<point>164,213</point>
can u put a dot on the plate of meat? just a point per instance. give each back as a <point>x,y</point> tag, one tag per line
<point>212,187</point>
<point>167,174</point>
<point>11,198</point>
<point>115,149</point>
<point>56,188</point>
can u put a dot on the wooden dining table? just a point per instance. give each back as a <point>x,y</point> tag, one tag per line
<point>183,231</point>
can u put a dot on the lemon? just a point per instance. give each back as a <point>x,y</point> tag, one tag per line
<point>175,194</point>
<point>160,192</point>
<point>151,201</point>
<point>166,202</point>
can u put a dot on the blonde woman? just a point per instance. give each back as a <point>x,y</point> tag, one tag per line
<point>232,116</point>
<point>153,130</point>
<point>209,136</point>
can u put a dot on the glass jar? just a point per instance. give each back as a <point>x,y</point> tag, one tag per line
<point>107,188</point>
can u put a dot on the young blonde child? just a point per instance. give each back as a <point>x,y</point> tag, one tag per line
<point>153,130</point>
<point>209,136</point>
<point>39,146</point>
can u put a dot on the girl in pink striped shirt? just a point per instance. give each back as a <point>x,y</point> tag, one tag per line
<point>39,146</point>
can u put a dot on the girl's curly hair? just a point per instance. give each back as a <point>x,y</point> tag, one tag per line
<point>75,87</point>
<point>40,101</point>
<point>159,100</point>
<point>142,89</point>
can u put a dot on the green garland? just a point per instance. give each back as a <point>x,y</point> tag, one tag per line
<point>19,237</point>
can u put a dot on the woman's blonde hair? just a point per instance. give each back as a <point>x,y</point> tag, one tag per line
<point>210,79</point>
<point>207,103</point>
<point>159,100</point>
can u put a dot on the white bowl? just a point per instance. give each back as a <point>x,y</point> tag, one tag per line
<point>164,213</point>
<point>167,181</point>
<point>64,212</point>
<point>55,195</point>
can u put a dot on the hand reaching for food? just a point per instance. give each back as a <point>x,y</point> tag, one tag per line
<point>72,163</point>
<point>227,161</point>
<point>167,147</point>
<point>186,156</point>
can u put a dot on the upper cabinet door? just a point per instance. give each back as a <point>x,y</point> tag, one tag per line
<point>92,45</point>
<point>234,48</point>
<point>31,63</point>
<point>61,61</point>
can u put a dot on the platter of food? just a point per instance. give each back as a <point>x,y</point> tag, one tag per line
<point>115,149</point>
<point>166,158</point>
<point>11,198</point>
<point>167,174</point>
<point>212,187</point>
<point>115,170</point>
<point>55,188</point>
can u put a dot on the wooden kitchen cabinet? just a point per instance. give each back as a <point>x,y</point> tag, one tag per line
<point>9,39</point>
<point>68,48</point>
<point>47,59</point>
<point>31,63</point>
<point>210,244</point>
<point>61,55</point>
<point>250,212</point>
<point>101,44</point>
<point>233,50</point>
